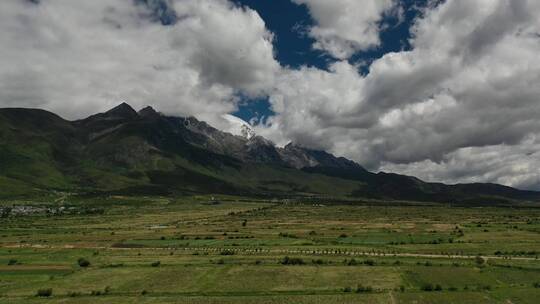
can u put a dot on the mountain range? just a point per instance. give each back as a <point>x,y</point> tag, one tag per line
<point>146,152</point>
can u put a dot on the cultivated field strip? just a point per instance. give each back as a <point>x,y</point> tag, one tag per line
<point>157,250</point>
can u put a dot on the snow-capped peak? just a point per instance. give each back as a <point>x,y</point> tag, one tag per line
<point>238,126</point>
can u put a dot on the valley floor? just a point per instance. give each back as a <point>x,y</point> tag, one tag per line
<point>200,250</point>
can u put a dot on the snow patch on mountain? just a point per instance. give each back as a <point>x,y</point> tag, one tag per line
<point>238,126</point>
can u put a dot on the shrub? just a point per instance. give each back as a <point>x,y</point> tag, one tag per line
<point>352,262</point>
<point>46,292</point>
<point>287,235</point>
<point>343,235</point>
<point>155,264</point>
<point>486,287</point>
<point>427,287</point>
<point>220,262</point>
<point>347,289</point>
<point>369,262</point>
<point>536,285</point>
<point>292,261</point>
<point>402,288</point>
<point>144,292</point>
<point>83,262</point>
<point>438,287</point>
<point>479,260</point>
<point>361,289</point>
<point>12,262</point>
<point>73,294</point>
<point>227,252</point>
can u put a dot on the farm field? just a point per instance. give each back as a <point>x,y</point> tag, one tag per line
<point>232,250</point>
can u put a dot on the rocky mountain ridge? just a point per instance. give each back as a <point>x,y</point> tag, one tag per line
<point>125,151</point>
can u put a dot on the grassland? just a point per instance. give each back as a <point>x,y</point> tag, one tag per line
<point>233,250</point>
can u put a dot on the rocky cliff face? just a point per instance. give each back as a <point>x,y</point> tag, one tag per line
<point>248,147</point>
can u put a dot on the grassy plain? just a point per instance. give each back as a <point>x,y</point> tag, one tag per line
<point>194,250</point>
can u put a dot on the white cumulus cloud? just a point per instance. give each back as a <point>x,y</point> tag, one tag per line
<point>80,57</point>
<point>343,27</point>
<point>468,86</point>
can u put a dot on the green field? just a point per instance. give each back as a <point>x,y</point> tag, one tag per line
<point>233,250</point>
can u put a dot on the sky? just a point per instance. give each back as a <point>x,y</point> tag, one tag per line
<point>443,90</point>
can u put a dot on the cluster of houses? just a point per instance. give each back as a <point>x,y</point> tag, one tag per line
<point>26,210</point>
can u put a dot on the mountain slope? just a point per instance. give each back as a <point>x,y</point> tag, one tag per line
<point>122,150</point>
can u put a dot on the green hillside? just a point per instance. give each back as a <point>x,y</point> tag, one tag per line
<point>40,151</point>
<point>122,151</point>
